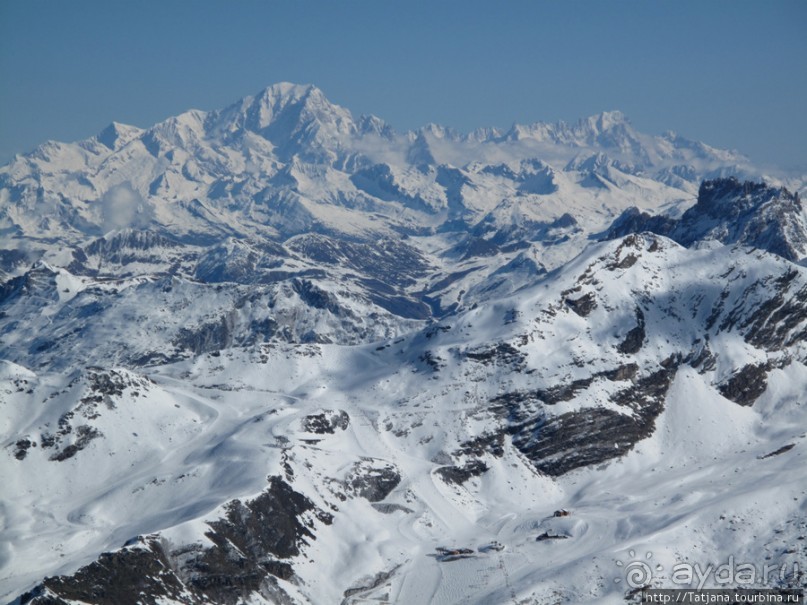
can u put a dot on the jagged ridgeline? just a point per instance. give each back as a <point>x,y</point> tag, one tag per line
<point>278,354</point>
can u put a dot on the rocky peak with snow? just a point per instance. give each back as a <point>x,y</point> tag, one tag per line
<point>294,118</point>
<point>117,135</point>
<point>609,128</point>
<point>731,212</point>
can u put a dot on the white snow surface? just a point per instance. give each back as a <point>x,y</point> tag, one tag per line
<point>181,440</point>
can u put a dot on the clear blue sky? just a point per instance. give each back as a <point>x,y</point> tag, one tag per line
<point>730,73</point>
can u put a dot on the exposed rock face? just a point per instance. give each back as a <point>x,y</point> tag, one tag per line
<point>461,474</point>
<point>583,305</point>
<point>21,448</point>
<point>326,422</point>
<point>390,261</point>
<point>492,443</point>
<point>83,435</point>
<point>503,354</point>
<point>561,443</point>
<point>747,384</point>
<point>635,337</point>
<point>778,321</point>
<point>373,479</point>
<point>567,391</point>
<point>119,577</point>
<point>252,544</point>
<point>128,246</point>
<point>751,214</point>
<point>730,212</point>
<point>634,220</point>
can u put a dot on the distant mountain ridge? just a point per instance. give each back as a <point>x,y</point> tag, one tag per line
<point>289,141</point>
<point>287,163</point>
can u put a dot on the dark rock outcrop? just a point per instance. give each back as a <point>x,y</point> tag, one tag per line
<point>558,444</point>
<point>122,577</point>
<point>750,214</point>
<point>373,479</point>
<point>460,474</point>
<point>584,305</point>
<point>635,337</point>
<point>746,384</point>
<point>253,544</point>
<point>503,354</point>
<point>326,421</point>
<point>564,392</point>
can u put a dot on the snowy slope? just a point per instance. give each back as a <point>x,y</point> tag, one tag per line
<point>446,429</point>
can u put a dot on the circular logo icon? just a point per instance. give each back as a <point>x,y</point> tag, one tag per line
<point>637,573</point>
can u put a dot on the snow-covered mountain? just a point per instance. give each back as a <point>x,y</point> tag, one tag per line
<point>278,354</point>
<point>287,161</point>
<point>730,212</point>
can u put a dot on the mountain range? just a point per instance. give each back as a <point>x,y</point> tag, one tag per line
<point>278,354</point>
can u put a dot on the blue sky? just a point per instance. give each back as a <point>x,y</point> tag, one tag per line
<point>730,73</point>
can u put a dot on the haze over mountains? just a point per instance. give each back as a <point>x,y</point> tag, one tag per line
<point>284,354</point>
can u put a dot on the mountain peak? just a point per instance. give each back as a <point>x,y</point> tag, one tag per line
<point>606,120</point>
<point>438,131</point>
<point>730,212</point>
<point>598,128</point>
<point>116,135</point>
<point>289,92</point>
<point>373,124</point>
<point>610,128</point>
<point>275,99</point>
<point>286,112</point>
